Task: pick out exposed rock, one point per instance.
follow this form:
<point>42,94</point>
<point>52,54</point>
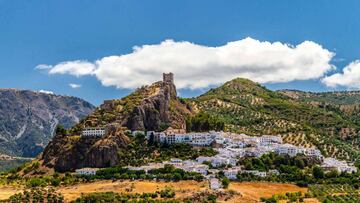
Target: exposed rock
<point>151,107</point>
<point>67,153</point>
<point>28,119</point>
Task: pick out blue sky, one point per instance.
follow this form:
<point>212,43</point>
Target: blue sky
<point>50,32</point>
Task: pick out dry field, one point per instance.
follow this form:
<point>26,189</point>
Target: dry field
<point>248,192</point>
<point>253,191</point>
<point>6,192</point>
<point>181,188</point>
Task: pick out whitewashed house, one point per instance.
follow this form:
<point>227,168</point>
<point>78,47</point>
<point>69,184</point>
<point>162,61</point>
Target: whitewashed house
<point>255,172</point>
<point>287,149</point>
<point>340,166</point>
<point>313,152</point>
<point>231,173</point>
<point>267,140</point>
<point>202,159</point>
<point>86,171</point>
<point>214,184</point>
<point>93,132</point>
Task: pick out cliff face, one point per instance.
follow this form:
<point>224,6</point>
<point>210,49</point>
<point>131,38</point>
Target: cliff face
<point>66,153</point>
<point>158,110</point>
<point>153,107</point>
<point>28,119</point>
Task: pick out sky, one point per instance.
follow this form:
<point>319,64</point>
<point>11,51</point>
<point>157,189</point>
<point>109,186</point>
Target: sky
<point>99,50</point>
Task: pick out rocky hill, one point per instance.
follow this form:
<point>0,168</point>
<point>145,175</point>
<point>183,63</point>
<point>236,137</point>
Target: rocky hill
<point>28,119</point>
<point>241,105</point>
<point>153,107</point>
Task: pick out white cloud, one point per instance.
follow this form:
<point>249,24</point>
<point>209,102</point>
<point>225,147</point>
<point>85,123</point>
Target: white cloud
<point>43,67</point>
<point>77,68</point>
<point>74,86</point>
<point>197,66</point>
<point>46,92</point>
<point>350,77</point>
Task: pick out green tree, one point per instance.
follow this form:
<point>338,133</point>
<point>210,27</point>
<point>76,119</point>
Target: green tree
<point>225,182</point>
<point>318,172</point>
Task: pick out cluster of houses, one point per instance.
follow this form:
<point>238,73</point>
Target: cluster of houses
<point>172,136</point>
<point>340,166</point>
<point>230,148</point>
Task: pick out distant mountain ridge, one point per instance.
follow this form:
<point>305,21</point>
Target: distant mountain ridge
<point>28,119</point>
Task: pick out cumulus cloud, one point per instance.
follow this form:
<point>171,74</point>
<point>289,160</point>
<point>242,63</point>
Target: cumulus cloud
<point>350,77</point>
<point>197,66</point>
<point>77,68</point>
<point>74,86</point>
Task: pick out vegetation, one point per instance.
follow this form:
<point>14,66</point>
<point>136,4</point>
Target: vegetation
<point>203,122</point>
<point>6,165</point>
<point>288,197</point>
<point>247,107</point>
<point>169,173</point>
<point>336,192</point>
<point>36,195</point>
<point>299,169</point>
<point>134,198</point>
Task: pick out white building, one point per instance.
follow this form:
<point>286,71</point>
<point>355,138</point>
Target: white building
<point>86,171</point>
<point>312,152</point>
<point>255,172</point>
<point>93,132</point>
<point>287,149</point>
<point>214,184</point>
<point>340,166</point>
<point>268,140</point>
<point>231,173</point>
<point>201,168</point>
<point>202,159</point>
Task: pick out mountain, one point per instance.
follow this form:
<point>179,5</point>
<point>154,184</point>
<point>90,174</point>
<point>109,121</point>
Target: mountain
<point>241,105</point>
<point>153,107</point>
<point>28,119</point>
<point>248,107</point>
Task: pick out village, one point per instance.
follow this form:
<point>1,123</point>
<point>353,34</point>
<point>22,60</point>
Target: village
<point>230,147</point>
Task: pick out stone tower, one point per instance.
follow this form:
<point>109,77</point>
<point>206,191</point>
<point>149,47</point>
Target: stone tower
<point>168,78</point>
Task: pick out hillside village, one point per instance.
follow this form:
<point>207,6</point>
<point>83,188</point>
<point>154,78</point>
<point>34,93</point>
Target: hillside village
<point>230,147</point>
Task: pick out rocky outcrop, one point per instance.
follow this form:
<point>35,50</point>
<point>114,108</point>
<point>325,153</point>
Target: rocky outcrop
<point>153,107</point>
<point>67,153</point>
<point>158,110</point>
<point>28,119</point>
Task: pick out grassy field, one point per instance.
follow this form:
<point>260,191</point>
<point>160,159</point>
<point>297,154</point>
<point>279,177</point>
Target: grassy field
<point>247,191</point>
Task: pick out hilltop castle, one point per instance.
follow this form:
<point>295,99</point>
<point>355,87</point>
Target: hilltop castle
<point>168,78</point>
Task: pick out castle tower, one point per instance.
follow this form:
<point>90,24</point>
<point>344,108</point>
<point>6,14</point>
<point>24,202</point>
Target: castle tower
<point>168,78</point>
